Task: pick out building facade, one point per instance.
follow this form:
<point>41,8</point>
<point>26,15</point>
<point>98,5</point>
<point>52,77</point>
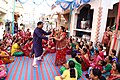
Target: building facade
<point>91,19</point>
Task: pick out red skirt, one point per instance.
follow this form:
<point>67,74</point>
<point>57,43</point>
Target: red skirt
<point>60,57</point>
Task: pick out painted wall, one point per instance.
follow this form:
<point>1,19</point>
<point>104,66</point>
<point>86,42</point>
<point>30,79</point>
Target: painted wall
<point>3,8</point>
<point>106,4</point>
<point>96,4</point>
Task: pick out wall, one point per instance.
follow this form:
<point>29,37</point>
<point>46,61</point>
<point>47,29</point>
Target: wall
<point>3,11</point>
<point>106,4</point>
<point>3,8</point>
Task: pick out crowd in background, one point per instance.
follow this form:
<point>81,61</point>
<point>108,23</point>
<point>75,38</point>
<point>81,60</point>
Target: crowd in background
<point>100,62</point>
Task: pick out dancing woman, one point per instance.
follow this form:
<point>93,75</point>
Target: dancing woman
<point>61,43</point>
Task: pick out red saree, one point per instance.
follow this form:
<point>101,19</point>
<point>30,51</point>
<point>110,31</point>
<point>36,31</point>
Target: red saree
<point>85,63</point>
<point>51,47</point>
<point>106,38</point>
<point>61,50</point>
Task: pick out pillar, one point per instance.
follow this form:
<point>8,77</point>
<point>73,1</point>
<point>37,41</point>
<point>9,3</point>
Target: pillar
<point>95,24</point>
<point>118,47</point>
<point>73,23</point>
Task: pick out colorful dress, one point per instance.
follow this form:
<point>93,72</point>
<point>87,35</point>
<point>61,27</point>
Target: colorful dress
<point>51,47</point>
<point>113,76</point>
<point>101,54</point>
<point>26,49</point>
<point>106,38</point>
<point>14,51</point>
<point>61,50</point>
<point>27,35</point>
<point>95,61</point>
<point>107,68</point>
<point>5,60</point>
<point>66,75</point>
<point>77,66</point>
<point>85,63</point>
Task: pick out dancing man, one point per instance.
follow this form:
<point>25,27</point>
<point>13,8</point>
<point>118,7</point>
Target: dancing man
<point>38,35</point>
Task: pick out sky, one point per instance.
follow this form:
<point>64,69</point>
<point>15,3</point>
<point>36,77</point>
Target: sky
<point>41,6</point>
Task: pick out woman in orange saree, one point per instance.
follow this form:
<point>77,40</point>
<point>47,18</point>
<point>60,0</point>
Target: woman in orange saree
<point>61,43</point>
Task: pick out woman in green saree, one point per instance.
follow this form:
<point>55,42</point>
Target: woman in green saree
<point>77,65</point>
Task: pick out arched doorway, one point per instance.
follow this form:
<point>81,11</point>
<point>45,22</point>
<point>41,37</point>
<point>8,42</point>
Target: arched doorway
<point>84,21</point>
<point>112,16</point>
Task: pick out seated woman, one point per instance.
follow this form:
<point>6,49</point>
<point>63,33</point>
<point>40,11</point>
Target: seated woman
<point>107,68</point>
<point>16,49</point>
<point>69,74</point>
<point>100,49</point>
<point>91,48</point>
<point>72,45</point>
<point>84,59</point>
<point>77,65</point>
<point>113,55</point>
<point>51,47</point>
<point>80,46</point>
<point>115,72</point>
<point>27,47</point>
<point>95,74</point>
<point>88,51</point>
<point>4,45</point>
<point>96,58</point>
<point>28,34</point>
<point>3,70</point>
<point>5,57</point>
<point>8,43</point>
<point>69,48</point>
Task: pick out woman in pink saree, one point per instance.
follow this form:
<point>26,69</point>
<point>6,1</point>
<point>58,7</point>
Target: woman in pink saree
<point>96,59</point>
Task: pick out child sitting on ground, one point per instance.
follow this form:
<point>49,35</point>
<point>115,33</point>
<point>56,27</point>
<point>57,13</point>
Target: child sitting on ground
<point>77,62</point>
<point>69,74</point>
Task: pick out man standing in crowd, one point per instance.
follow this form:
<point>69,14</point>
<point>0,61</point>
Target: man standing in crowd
<point>38,35</point>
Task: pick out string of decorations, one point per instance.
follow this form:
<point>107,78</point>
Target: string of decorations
<point>38,3</point>
<point>34,2</point>
<point>68,5</point>
<point>23,2</point>
<point>73,3</point>
<point>85,1</point>
<point>65,2</point>
<point>48,4</point>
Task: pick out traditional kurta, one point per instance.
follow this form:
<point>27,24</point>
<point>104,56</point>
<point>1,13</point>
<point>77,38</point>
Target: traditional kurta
<point>37,41</point>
